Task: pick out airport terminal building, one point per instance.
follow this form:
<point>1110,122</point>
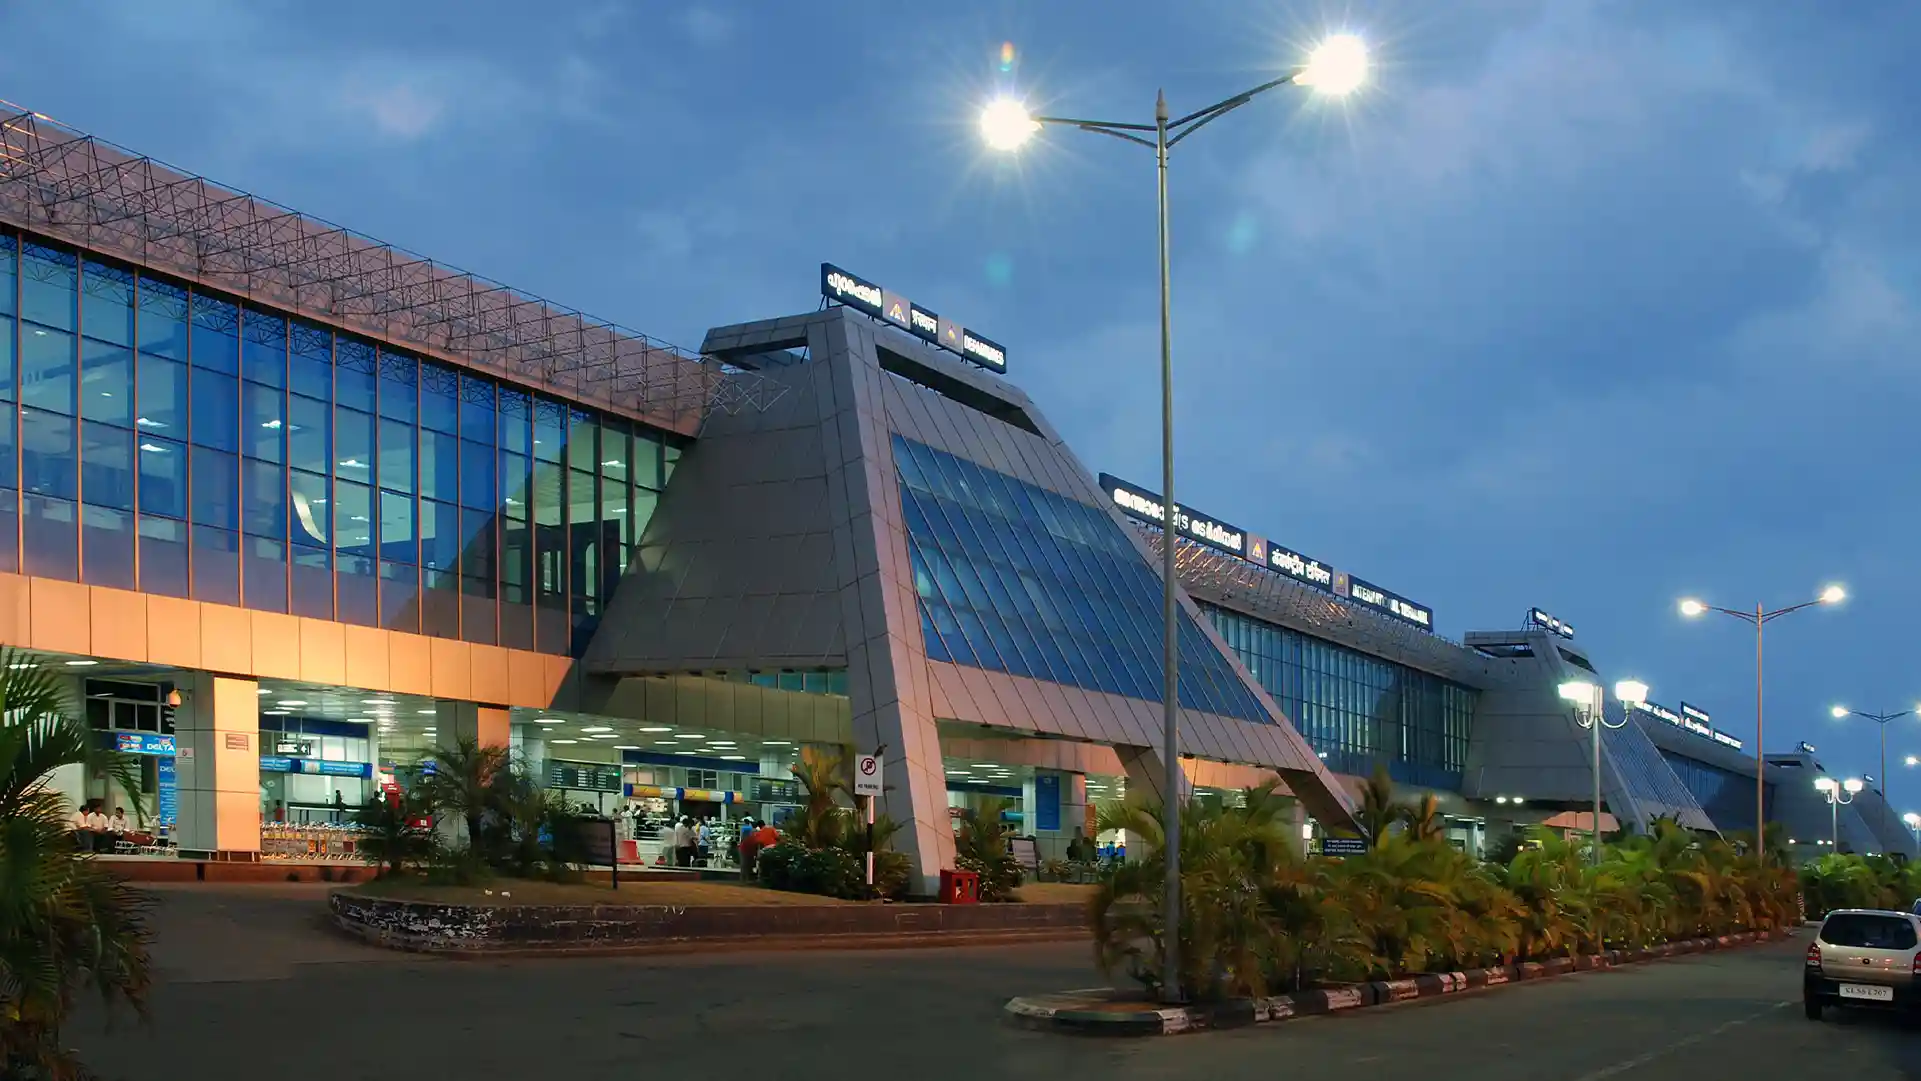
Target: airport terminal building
<point>343,505</point>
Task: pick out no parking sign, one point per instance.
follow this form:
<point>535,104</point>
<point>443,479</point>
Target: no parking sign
<point>867,773</point>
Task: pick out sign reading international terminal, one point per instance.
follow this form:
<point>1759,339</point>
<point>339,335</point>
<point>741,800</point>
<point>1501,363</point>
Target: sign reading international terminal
<point>1144,505</point>
<point>869,299</point>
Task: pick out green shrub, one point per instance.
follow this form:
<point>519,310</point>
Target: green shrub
<point>999,879</point>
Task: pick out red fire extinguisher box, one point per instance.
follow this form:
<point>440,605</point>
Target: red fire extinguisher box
<point>960,888</point>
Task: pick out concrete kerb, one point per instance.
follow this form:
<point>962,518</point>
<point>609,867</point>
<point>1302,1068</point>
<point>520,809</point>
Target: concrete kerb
<point>1108,1012</point>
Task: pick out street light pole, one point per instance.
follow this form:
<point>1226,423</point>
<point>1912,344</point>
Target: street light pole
<point>1882,719</point>
<point>1839,794</point>
<point>1760,618</point>
<point>1336,67</point>
<point>1590,705</point>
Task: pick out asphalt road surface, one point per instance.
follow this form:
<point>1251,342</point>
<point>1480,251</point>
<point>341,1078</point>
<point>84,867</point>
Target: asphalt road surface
<point>249,987</point>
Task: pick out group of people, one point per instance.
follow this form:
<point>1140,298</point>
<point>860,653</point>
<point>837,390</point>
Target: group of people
<point>95,830</point>
<point>691,840</point>
<point>755,836</point>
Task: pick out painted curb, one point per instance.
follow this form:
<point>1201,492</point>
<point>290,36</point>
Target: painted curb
<point>1081,1012</point>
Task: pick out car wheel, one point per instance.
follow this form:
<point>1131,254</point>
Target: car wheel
<point>1812,1006</point>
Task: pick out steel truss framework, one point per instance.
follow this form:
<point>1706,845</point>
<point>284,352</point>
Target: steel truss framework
<point>67,184</point>
<point>1236,584</point>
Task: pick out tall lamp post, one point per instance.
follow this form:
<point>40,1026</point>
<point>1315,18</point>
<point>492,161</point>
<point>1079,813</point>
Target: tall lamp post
<point>1590,707</point>
<point>1760,618</point>
<point>1338,66</point>
<point>1840,794</point>
<point>1913,822</point>
<point>1882,719</point>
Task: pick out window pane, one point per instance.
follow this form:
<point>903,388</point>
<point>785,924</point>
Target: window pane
<point>263,422</point>
<point>106,467</point>
<point>8,353</point>
<point>265,489</point>
<point>439,535</point>
<point>216,335</point>
<point>48,529</point>
<point>46,454</point>
<point>477,610</point>
<point>548,493</point>
<point>396,455</point>
<point>397,541</point>
<point>309,434</point>
<point>9,457</point>
<point>216,565</point>
<point>8,282</point>
<point>107,313</point>
<point>439,466</point>
<point>9,524</point>
<point>669,457</point>
<point>582,447</point>
<point>614,449</point>
<point>613,510</point>
<point>163,396</point>
<point>550,430</point>
<point>216,489</point>
<point>353,444</point>
<point>163,479</point>
<point>162,320</point>
<point>477,409</point>
<point>477,544</point>
<point>353,518</point>
<point>310,366</point>
<point>515,421</point>
<point>440,604</point>
<point>106,382</point>
<point>439,398</point>
<point>357,591</point>
<point>312,510</point>
<point>266,575</point>
<point>399,386</point>
<point>399,597</point>
<point>313,583</point>
<point>108,539</point>
<point>46,367</point>
<point>216,410</point>
<point>514,484</point>
<point>49,286</point>
<point>263,348</point>
<point>355,372</point>
<point>163,557</point>
<point>477,476</point>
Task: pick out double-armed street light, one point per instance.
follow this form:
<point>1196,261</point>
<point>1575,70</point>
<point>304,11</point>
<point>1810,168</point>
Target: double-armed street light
<point>1590,709</point>
<point>1912,821</point>
<point>1882,719</point>
<point>1839,794</point>
<point>1760,618</point>
<point>1337,67</point>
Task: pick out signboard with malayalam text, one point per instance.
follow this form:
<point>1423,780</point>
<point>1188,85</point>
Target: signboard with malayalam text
<point>871,300</point>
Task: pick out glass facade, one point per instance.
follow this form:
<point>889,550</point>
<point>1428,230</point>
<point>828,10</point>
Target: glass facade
<point>160,438</point>
<point>1014,578</point>
<point>1726,796</point>
<point>1356,709</point>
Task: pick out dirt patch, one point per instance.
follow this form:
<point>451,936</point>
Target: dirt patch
<point>1056,893</point>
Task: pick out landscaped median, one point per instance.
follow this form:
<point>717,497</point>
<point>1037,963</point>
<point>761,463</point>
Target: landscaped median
<point>1110,1012</point>
<point>521,917</point>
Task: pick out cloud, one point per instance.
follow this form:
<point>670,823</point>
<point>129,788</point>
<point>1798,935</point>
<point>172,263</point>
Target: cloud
<point>707,27</point>
<point>399,109</point>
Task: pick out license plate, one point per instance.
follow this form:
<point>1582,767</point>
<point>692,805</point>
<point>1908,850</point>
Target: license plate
<point>1867,992</point>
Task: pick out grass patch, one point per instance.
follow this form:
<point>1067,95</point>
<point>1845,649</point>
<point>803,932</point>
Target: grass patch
<point>511,891</point>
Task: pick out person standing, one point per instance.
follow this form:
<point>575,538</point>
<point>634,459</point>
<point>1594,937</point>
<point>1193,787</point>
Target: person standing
<point>684,842</point>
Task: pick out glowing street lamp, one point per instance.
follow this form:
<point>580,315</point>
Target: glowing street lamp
<point>1337,67</point>
<point>1839,794</point>
<point>1882,719</point>
<point>1760,617</point>
<point>1590,708</point>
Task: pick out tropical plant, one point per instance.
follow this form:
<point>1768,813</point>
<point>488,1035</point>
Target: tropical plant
<point>465,781</point>
<point>822,817</point>
<point>393,842</point>
<point>66,925</point>
<point>1378,812</point>
<point>980,846</point>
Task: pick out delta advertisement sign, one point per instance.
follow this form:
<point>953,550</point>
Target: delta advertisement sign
<point>1146,506</point>
<point>869,299</point>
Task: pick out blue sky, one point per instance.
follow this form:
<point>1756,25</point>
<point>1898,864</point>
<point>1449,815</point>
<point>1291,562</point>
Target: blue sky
<point>1583,305</point>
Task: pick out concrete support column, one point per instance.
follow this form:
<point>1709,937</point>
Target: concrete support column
<point>458,721</point>
<point>1298,828</point>
<point>217,732</point>
<point>1147,775</point>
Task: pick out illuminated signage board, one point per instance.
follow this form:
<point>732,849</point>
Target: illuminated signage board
<point>1145,505</point>
<point>1372,596</point>
<point>869,299</point>
<point>142,743</point>
<point>1661,711</point>
<point>1726,740</point>
<point>1541,619</point>
<point>1697,721</point>
<point>1139,503</point>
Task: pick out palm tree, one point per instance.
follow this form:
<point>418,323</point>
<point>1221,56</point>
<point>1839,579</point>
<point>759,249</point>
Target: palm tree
<point>392,842</point>
<point>1379,812</point>
<point>822,774</point>
<point>463,781</point>
<point>66,925</point>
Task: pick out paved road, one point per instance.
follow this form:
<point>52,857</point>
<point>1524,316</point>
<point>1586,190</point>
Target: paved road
<point>248,988</point>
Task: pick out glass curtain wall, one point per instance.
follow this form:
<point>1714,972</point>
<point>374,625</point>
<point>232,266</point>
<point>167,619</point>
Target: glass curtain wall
<point>1355,709</point>
<point>159,438</point>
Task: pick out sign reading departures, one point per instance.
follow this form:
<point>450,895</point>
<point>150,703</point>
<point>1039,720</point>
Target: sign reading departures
<point>869,299</point>
<point>1139,503</point>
